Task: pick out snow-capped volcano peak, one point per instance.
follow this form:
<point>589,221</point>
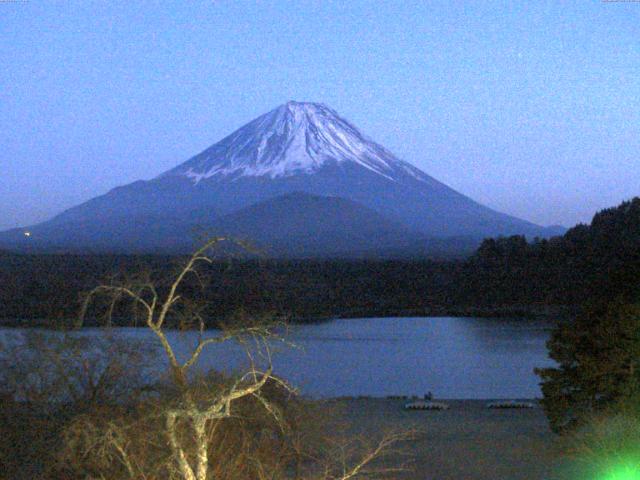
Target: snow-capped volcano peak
<point>299,178</point>
<point>295,138</point>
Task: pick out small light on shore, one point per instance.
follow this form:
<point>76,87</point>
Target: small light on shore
<point>27,234</point>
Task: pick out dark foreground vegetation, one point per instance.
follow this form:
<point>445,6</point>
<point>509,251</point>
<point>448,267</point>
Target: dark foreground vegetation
<point>592,397</point>
<point>73,409</point>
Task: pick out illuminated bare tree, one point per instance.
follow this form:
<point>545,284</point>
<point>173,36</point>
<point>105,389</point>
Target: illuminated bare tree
<point>190,423</point>
<point>192,411</point>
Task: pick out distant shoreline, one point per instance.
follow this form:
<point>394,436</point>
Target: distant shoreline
<point>537,312</point>
<point>560,312</point>
<point>400,399</point>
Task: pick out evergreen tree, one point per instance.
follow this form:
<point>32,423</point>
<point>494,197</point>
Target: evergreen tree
<point>598,358</point>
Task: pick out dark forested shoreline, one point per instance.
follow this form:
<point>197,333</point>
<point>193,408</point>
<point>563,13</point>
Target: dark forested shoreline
<point>505,277</point>
<point>37,290</point>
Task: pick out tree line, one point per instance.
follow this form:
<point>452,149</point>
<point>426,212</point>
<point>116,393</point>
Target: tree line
<point>507,274</point>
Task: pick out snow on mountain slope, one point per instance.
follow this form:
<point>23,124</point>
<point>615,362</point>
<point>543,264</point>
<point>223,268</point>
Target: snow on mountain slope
<point>295,138</point>
<point>298,147</point>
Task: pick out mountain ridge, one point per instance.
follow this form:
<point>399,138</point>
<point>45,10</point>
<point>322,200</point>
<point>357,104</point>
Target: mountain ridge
<point>296,147</point>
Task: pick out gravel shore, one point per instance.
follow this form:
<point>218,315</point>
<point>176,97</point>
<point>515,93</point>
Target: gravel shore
<point>467,441</point>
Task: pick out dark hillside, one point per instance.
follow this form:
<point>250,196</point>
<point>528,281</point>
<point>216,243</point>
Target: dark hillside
<point>504,276</point>
<point>597,260</point>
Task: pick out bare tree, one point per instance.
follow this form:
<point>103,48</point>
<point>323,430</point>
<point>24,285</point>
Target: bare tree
<point>48,378</point>
<point>192,411</point>
<point>191,421</point>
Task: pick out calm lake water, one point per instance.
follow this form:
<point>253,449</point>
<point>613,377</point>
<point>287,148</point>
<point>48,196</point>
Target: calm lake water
<point>466,358</point>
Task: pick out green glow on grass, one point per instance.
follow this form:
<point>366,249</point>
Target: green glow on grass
<point>627,471</point>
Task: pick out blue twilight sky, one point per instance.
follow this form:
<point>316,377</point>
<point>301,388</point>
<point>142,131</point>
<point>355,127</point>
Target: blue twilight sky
<point>530,107</point>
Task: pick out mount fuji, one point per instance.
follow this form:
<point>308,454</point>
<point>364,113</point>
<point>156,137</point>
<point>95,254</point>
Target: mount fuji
<point>297,181</point>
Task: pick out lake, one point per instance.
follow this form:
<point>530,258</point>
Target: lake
<point>464,358</point>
